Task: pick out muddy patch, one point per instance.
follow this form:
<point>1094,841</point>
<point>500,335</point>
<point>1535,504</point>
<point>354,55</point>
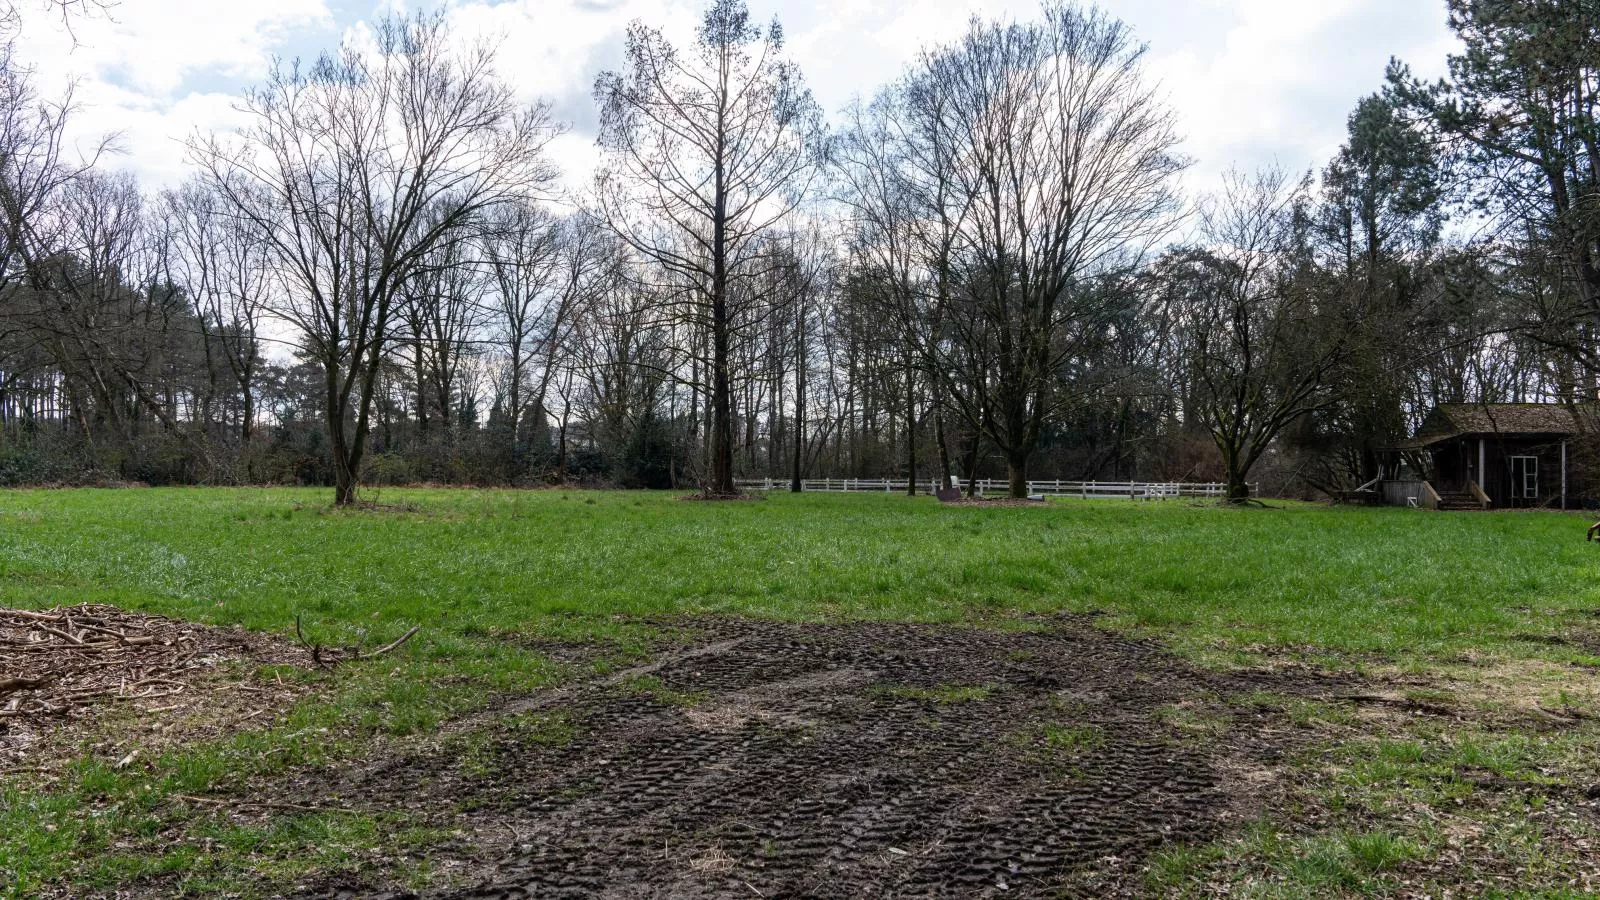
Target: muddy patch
<point>837,760</point>
<point>999,503</point>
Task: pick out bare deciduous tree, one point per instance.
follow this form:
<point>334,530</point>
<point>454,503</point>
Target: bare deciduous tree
<point>222,265</point>
<point>1261,347</point>
<point>1032,159</point>
<point>353,171</point>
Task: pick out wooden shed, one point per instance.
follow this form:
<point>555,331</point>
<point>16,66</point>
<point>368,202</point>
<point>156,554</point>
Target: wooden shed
<point>1486,456</point>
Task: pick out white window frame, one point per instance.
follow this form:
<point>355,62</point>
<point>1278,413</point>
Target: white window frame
<point>1530,470</point>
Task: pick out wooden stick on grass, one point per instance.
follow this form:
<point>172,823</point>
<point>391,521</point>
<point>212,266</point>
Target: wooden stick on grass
<point>392,644</point>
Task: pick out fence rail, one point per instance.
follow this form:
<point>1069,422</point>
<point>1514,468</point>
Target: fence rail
<point>1135,490</point>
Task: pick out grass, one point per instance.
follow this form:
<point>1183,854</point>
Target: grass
<point>1428,809</point>
<point>943,695</point>
<point>652,687</point>
<point>1072,738</point>
<point>470,565</point>
<point>1489,804</point>
<point>1341,863</point>
<point>489,574</point>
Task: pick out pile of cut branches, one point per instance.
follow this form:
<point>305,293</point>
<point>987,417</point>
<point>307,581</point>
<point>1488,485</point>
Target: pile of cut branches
<point>54,662</point>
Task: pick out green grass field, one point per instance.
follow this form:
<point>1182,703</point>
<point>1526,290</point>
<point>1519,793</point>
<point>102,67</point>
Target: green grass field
<point>483,573</point>
<point>1397,584</point>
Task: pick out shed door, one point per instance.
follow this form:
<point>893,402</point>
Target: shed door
<point>1525,477</point>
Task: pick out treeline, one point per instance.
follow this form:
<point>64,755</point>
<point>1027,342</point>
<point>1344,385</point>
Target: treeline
<point>988,268</point>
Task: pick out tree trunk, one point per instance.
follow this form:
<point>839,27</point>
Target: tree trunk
<point>561,447</point>
<point>349,453</point>
<point>344,479</point>
<point>513,406</point>
<point>795,485</point>
<point>774,421</point>
<point>245,433</point>
<point>420,376</point>
<point>721,483</point>
<point>911,435</point>
<point>1234,474</point>
<point>972,466</point>
<point>248,422</point>
<point>944,451</point>
<point>1017,476</point>
<point>344,486</point>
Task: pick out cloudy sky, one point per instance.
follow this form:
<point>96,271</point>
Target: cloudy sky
<point>1253,81</point>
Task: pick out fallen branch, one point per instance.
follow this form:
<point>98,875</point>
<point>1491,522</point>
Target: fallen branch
<point>263,804</point>
<point>35,616</point>
<point>392,644</point>
<point>139,640</point>
<point>316,649</point>
<point>1565,715</point>
<point>329,657</point>
<point>11,685</point>
<point>1403,702</point>
<point>74,639</point>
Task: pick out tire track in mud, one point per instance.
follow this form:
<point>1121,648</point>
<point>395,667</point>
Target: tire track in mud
<point>852,760</point>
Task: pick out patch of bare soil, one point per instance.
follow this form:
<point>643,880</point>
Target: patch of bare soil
<point>992,502</point>
<point>375,506</point>
<point>65,671</point>
<point>835,760</point>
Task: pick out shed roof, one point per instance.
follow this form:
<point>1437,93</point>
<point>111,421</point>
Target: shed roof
<point>1451,420</point>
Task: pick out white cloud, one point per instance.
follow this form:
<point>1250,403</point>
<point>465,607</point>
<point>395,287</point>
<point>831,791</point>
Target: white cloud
<point>1252,81</point>
<point>1278,85</point>
<point>153,71</point>
<point>153,46</point>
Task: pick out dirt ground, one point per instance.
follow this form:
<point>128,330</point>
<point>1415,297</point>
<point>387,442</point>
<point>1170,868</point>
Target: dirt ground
<point>855,760</point>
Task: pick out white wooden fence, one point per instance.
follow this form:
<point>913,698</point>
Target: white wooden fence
<point>1135,490</point>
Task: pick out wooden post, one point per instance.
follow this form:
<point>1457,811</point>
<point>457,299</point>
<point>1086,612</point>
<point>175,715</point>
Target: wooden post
<point>1483,477</point>
<point>1563,475</point>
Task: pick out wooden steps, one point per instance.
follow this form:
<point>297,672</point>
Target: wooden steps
<point>1459,501</point>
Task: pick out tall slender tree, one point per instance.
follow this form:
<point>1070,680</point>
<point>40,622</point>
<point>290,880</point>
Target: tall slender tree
<point>705,151</point>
